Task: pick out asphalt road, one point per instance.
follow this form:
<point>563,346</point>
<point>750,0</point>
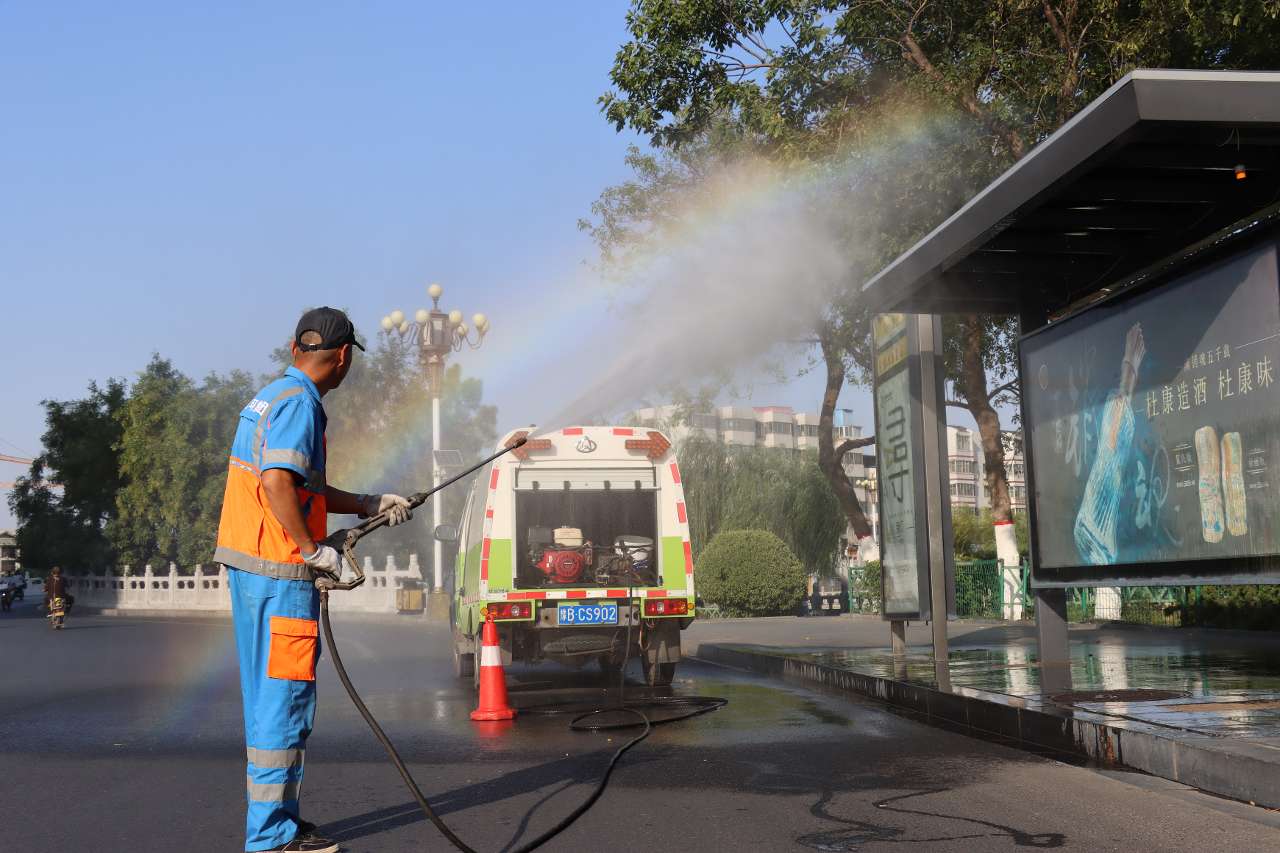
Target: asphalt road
<point>124,734</point>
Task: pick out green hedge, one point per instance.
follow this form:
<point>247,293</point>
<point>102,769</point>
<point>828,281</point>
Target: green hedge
<point>750,573</point>
<point>1252,607</point>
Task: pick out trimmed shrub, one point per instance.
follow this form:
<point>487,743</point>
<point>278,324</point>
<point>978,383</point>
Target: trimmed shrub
<point>1252,607</point>
<point>750,573</point>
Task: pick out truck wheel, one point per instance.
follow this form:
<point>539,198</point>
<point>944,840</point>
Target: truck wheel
<point>464,665</point>
<point>659,674</point>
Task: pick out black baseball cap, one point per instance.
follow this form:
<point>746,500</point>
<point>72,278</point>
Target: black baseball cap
<point>330,324</point>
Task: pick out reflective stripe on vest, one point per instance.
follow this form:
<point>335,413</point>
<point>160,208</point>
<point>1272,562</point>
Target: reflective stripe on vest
<point>234,544</point>
<point>234,559</point>
<point>259,433</point>
<point>315,479</point>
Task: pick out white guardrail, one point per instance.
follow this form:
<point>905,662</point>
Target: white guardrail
<point>206,590</point>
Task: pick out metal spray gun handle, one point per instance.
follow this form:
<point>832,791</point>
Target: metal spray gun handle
<point>345,540</point>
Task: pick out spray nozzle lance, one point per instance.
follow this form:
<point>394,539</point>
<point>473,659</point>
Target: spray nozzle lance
<point>345,540</point>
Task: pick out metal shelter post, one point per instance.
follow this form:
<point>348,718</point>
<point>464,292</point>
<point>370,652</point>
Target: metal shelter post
<point>1051,603</point>
<point>1051,634</point>
<point>937,497</point>
<point>898,640</point>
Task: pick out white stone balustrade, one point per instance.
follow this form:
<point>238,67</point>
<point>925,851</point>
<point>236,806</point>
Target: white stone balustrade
<point>205,589</point>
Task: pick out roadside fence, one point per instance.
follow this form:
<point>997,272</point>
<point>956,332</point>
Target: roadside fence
<point>985,589</point>
<point>206,590</point>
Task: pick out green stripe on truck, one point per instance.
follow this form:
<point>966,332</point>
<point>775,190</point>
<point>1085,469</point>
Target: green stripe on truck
<point>673,562</point>
<point>501,566</point>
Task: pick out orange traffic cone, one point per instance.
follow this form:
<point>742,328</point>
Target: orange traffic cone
<point>493,683</point>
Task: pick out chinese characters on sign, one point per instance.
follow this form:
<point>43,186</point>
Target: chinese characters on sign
<point>1171,400</point>
<point>916,576</point>
<point>900,527</point>
<point>898,518</point>
<point>1248,376</point>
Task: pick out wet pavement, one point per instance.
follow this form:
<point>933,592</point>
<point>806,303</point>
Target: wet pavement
<point>1216,683</point>
<point>124,734</point>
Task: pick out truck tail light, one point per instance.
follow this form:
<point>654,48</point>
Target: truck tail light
<point>654,446</point>
<point>508,610</point>
<point>667,607</point>
<point>531,444</point>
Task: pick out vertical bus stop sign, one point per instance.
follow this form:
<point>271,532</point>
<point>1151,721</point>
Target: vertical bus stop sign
<point>917,574</point>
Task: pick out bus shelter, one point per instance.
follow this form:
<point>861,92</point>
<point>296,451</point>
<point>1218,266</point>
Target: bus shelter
<point>1137,247</point>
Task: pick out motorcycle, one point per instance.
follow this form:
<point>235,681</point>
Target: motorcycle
<point>57,612</point>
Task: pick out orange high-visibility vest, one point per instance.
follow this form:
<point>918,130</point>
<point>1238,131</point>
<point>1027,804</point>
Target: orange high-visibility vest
<point>282,427</point>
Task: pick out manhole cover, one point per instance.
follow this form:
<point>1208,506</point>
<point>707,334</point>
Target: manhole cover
<point>1079,696</point>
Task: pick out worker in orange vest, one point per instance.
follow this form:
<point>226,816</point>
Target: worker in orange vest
<point>270,539</point>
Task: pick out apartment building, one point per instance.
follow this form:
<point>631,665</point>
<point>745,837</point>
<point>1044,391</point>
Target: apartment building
<point>783,428</point>
<point>8,553</point>
<point>774,427</point>
<point>967,470</point>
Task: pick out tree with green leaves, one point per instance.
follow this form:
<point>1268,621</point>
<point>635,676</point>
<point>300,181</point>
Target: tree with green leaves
<point>635,218</point>
<point>379,435</point>
<point>814,81</point>
<point>136,474</point>
<point>173,445</point>
<point>67,500</point>
<point>761,489</point>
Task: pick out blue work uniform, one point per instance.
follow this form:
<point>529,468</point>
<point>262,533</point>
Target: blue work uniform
<point>274,604</point>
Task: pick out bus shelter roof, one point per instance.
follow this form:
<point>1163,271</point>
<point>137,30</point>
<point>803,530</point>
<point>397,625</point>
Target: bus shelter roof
<point>1146,170</point>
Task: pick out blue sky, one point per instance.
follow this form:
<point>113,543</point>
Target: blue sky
<point>186,178</point>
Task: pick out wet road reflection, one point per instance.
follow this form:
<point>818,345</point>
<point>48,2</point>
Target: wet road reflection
<point>1242,686</point>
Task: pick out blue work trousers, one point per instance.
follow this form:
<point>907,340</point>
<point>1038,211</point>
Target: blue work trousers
<point>278,641</point>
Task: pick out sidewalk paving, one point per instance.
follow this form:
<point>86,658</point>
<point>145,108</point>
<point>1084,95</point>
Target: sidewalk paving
<point>1198,706</point>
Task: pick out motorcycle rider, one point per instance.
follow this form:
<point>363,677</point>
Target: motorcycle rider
<point>56,587</point>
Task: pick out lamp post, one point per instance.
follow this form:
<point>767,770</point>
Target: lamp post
<point>436,334</point>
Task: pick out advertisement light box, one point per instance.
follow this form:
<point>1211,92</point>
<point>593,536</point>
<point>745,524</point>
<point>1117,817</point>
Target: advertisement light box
<point>1153,431</point>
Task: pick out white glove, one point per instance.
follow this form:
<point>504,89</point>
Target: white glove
<point>396,508</point>
<point>326,559</point>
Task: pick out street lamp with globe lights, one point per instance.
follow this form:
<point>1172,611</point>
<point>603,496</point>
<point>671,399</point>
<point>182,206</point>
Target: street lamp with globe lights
<point>436,334</point>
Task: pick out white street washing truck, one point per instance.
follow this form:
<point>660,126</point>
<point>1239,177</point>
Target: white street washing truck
<point>573,543</point>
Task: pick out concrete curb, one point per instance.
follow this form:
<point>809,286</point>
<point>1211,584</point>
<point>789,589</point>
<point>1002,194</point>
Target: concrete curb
<point>1234,768</point>
<point>193,615</point>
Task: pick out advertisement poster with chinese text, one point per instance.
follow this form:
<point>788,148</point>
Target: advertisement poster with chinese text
<point>1155,423</point>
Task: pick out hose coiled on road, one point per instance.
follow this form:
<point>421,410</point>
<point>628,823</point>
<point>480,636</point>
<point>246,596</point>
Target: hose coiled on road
<point>695,704</point>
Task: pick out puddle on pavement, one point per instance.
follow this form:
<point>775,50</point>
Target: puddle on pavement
<point>1218,692</point>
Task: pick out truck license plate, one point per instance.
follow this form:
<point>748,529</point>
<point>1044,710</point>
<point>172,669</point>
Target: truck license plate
<point>587,614</point>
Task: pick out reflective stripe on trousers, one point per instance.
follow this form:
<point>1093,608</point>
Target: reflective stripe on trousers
<point>278,713</point>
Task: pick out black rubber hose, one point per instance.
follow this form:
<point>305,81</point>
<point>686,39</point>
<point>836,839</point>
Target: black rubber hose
<point>379,733</point>
<point>700,704</point>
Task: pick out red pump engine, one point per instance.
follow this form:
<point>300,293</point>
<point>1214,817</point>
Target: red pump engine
<point>562,565</point>
<point>562,555</point>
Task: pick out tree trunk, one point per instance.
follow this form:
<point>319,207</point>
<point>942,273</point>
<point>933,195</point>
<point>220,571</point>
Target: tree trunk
<point>973,381</point>
<point>830,458</point>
